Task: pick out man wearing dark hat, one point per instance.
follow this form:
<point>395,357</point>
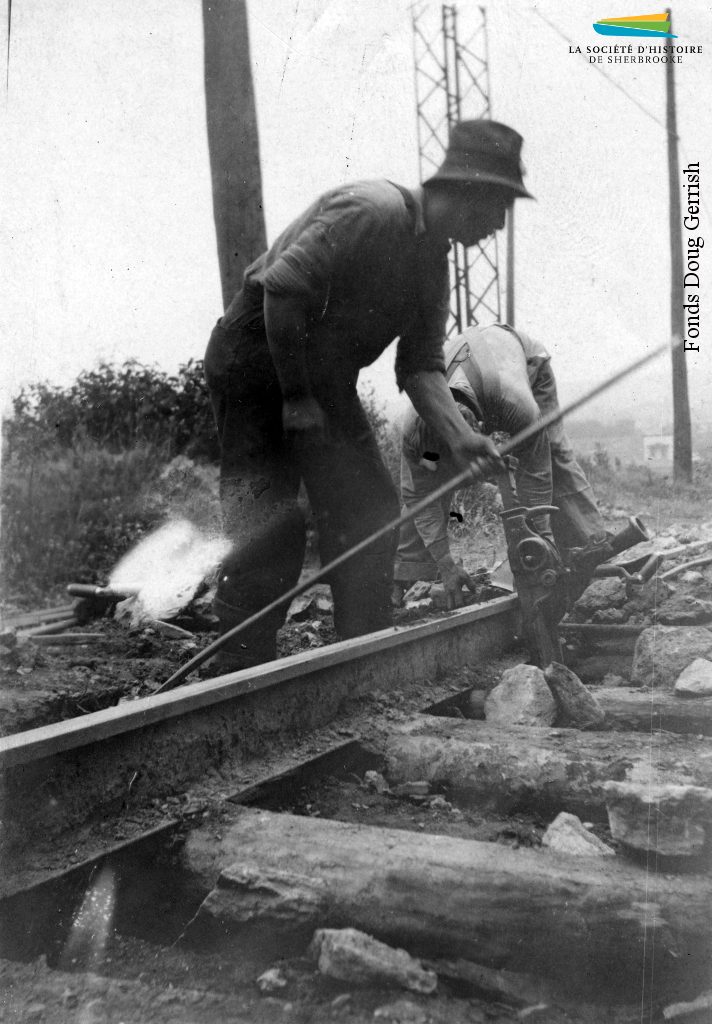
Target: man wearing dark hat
<point>502,381</point>
<point>365,264</point>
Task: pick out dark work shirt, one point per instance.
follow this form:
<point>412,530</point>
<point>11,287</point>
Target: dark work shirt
<point>368,273</point>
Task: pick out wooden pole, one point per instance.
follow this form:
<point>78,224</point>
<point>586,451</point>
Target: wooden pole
<point>682,430</point>
<point>510,266</point>
<point>232,141</point>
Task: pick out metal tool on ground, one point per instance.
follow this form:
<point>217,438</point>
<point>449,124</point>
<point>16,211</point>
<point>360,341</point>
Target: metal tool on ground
<point>94,602</point>
<point>466,475</point>
<point>696,563</point>
<point>108,594</point>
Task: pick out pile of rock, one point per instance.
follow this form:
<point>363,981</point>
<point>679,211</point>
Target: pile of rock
<point>527,696</point>
<point>674,657</point>
<point>606,601</point>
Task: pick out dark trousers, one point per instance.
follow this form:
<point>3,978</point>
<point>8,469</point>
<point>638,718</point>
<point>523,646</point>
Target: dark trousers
<point>349,489</point>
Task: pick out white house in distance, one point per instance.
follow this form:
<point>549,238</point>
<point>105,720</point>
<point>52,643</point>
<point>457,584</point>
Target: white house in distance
<point>658,450</point>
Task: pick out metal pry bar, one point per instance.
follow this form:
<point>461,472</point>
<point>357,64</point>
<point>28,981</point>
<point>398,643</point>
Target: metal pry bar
<point>464,476</point>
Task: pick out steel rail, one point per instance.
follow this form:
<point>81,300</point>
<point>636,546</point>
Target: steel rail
<point>355,666</point>
<point>464,476</point>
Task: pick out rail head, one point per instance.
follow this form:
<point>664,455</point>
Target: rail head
<point>46,741</point>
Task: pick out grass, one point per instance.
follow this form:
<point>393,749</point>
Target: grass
<point>69,514</point>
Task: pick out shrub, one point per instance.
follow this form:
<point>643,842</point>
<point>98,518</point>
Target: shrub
<point>116,407</point>
<point>69,515</point>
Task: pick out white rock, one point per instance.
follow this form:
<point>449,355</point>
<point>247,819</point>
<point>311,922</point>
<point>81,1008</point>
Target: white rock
<point>401,1012</point>
<point>567,834</point>
<point>611,680</point>
<point>669,820</point>
<point>272,980</point>
<point>661,653</point>
<point>692,576</point>
<point>696,679</point>
<point>522,698</point>
<point>376,782</point>
<point>352,956</point>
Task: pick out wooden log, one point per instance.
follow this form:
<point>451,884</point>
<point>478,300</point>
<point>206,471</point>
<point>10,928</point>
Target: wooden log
<point>538,769</point>
<point>592,669</point>
<point>582,921</point>
<point>630,708</point>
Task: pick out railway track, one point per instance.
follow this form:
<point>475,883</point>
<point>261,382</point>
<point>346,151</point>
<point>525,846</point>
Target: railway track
<point>450,869</point>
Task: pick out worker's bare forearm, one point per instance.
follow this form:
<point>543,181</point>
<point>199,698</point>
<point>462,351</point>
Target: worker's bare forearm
<point>429,393</point>
<point>285,322</point>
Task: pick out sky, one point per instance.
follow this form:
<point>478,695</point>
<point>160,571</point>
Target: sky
<point>107,236</point>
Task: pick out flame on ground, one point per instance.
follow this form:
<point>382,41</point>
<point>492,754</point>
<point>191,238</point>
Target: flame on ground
<point>168,566</point>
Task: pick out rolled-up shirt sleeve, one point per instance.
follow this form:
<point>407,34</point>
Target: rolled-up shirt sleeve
<point>308,264</point>
<point>420,347</point>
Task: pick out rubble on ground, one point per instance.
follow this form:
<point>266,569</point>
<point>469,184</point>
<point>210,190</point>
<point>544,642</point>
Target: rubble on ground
<point>684,610</point>
<point>601,594</point>
<point>668,820</point>
<point>576,705</point>
<point>662,652</point>
<point>272,980</point>
<point>521,698</point>
<point>347,954</point>
<point>567,834</point>
<point>611,680</point>
<point>695,680</point>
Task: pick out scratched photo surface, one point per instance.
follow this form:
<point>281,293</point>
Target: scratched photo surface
<point>109,247</point>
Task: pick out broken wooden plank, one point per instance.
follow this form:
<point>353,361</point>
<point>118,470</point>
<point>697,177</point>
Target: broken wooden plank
<point>583,921</point>
<point>25,620</point>
<point>643,710</point>
<point>540,769</point>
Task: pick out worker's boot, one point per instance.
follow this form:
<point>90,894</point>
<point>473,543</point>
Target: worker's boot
<point>252,646</point>
<point>252,577</point>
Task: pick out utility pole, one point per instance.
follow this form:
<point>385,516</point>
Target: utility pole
<point>682,429</point>
<point>510,266</point>
<point>451,85</point>
<point>232,141</point>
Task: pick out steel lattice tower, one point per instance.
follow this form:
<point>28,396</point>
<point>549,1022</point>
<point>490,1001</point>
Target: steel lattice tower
<point>451,85</point>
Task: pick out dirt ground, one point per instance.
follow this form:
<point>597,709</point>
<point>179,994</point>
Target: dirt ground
<point>41,683</point>
<point>135,980</point>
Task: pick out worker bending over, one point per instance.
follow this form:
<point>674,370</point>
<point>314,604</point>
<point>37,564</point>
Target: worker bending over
<point>501,380</point>
<point>364,264</point>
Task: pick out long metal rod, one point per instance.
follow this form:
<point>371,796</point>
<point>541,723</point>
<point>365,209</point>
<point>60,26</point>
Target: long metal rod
<point>466,475</point>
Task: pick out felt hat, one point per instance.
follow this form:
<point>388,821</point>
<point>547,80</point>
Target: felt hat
<point>483,151</point>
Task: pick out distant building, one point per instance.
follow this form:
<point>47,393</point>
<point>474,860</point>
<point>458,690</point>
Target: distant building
<point>658,450</point>
<point>620,439</point>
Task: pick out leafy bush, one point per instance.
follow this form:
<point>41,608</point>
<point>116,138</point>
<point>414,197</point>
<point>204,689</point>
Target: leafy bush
<point>116,407</point>
<point>69,516</point>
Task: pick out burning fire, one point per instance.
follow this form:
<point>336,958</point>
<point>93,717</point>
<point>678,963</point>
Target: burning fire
<point>167,568</point>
